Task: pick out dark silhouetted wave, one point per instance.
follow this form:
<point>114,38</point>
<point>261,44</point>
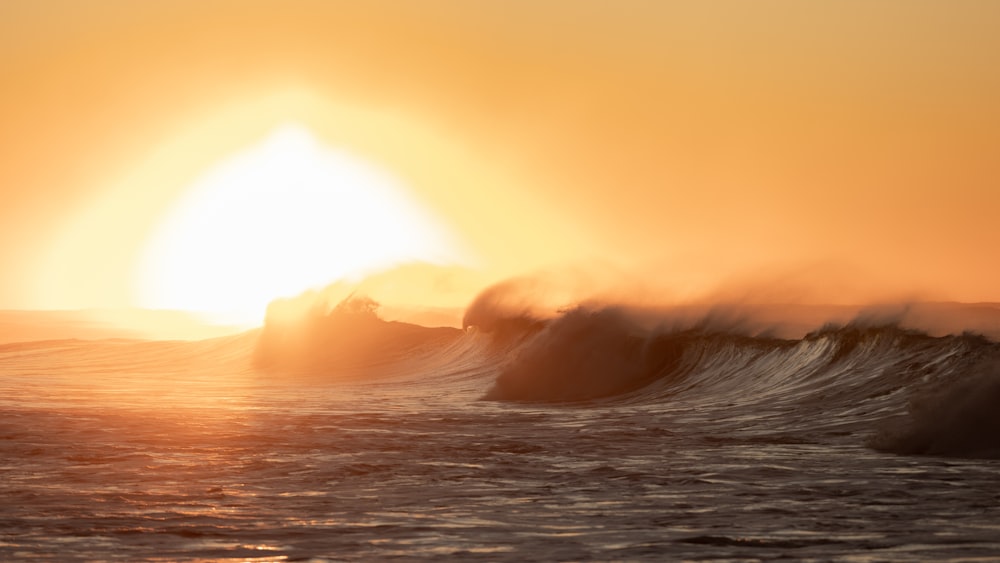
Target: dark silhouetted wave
<point>915,393</point>
<point>904,390</point>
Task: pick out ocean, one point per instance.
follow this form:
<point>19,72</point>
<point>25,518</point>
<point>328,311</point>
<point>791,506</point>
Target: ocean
<point>594,435</point>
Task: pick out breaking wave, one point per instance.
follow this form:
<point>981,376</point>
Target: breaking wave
<point>900,390</point>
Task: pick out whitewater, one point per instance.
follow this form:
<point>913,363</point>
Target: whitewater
<point>598,433</point>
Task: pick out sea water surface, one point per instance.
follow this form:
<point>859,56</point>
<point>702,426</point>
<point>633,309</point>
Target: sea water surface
<point>583,438</point>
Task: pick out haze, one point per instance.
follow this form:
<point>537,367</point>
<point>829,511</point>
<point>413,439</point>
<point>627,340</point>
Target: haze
<point>851,144</point>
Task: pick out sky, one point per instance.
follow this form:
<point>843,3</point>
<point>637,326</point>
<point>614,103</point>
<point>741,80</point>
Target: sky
<point>849,145</point>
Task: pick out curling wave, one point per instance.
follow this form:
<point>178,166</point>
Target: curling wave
<point>902,390</point>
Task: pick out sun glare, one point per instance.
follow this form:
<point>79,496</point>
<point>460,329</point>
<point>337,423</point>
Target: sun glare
<point>283,216</point>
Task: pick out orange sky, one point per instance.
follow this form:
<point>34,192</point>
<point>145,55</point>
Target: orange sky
<point>696,141</point>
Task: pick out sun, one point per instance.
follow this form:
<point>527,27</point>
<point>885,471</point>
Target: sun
<point>280,217</point>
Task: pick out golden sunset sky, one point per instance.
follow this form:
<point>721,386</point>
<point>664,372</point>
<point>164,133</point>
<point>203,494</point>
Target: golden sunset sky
<point>689,142</point>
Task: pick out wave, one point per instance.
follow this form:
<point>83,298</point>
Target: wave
<point>351,335</point>
<point>912,392</point>
<point>594,352</point>
<point>872,380</point>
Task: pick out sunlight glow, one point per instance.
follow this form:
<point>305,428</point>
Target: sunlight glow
<point>281,217</point>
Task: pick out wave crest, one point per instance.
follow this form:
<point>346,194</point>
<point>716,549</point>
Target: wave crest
<point>351,334</point>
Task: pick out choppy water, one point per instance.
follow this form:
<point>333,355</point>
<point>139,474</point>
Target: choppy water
<point>631,445</point>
